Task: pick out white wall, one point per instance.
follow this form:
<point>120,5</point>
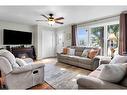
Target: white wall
<point>13,26</point>
<point>47,41</point>
<point>44,42</point>
<point>43,38</point>
<point>63,37</point>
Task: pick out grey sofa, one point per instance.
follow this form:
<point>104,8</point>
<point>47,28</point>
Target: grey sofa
<point>92,82</point>
<point>79,61</point>
<point>19,77</point>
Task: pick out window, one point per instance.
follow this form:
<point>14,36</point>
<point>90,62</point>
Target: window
<point>97,37</point>
<point>113,38</point>
<point>100,35</point>
<point>82,36</point>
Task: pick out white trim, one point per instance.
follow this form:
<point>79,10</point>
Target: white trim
<point>105,40</point>
<point>104,24</point>
<point>100,21</point>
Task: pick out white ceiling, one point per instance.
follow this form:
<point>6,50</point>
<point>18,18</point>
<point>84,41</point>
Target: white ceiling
<point>72,14</point>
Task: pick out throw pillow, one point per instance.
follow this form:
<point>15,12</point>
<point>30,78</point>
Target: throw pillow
<point>112,72</point>
<point>85,53</point>
<point>71,51</point>
<point>119,59</point>
<point>65,50</point>
<point>92,53</point>
<point>21,62</point>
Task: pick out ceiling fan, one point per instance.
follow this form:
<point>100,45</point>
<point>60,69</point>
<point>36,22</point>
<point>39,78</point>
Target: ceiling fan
<point>51,20</point>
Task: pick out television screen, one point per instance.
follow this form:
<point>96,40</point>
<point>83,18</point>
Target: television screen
<point>13,37</point>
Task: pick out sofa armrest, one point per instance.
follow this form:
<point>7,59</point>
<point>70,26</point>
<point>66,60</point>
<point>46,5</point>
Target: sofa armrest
<point>28,60</point>
<point>27,68</point>
<point>94,83</point>
<point>95,63</point>
<point>58,54</point>
<point>107,61</point>
<point>103,59</point>
<point>5,65</point>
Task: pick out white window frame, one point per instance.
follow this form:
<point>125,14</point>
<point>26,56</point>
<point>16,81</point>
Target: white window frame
<point>105,32</point>
<point>102,24</point>
<point>77,36</point>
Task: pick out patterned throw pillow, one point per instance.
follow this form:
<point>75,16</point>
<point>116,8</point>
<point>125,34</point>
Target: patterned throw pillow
<point>92,53</point>
<point>85,53</point>
<point>71,51</point>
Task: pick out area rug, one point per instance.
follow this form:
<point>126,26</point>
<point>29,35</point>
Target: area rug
<point>61,78</point>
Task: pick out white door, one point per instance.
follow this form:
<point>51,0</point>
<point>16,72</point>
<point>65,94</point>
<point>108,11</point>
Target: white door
<point>48,44</point>
<point>60,41</point>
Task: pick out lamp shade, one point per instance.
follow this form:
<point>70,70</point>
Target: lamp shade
<point>112,37</point>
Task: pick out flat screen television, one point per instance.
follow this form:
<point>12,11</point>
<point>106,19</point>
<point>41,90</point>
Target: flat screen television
<point>13,37</point>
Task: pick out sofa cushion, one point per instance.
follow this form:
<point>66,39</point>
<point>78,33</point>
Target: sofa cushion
<point>85,60</point>
<point>112,72</point>
<point>73,58</point>
<point>94,73</point>
<point>63,56</point>
<point>118,59</point>
<point>94,83</point>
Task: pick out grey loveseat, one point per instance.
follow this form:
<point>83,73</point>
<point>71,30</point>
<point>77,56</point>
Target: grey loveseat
<point>78,60</point>
<point>93,82</point>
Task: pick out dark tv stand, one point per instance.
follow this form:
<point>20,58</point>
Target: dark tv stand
<point>23,52</point>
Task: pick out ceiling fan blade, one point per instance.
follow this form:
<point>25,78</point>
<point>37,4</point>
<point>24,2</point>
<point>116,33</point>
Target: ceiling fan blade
<point>41,20</point>
<point>45,16</point>
<point>60,18</point>
<point>59,22</point>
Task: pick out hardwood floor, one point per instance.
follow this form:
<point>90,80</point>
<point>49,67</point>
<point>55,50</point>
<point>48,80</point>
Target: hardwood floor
<point>44,86</point>
<point>61,75</point>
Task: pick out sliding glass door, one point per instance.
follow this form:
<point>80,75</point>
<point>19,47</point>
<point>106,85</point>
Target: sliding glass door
<point>112,39</point>
<point>105,36</point>
<point>97,37</point>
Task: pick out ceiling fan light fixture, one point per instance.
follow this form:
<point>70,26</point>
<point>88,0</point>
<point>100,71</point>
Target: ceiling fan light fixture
<point>51,22</point>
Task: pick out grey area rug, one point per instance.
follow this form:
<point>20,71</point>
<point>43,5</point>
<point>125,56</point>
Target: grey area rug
<point>61,78</point>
